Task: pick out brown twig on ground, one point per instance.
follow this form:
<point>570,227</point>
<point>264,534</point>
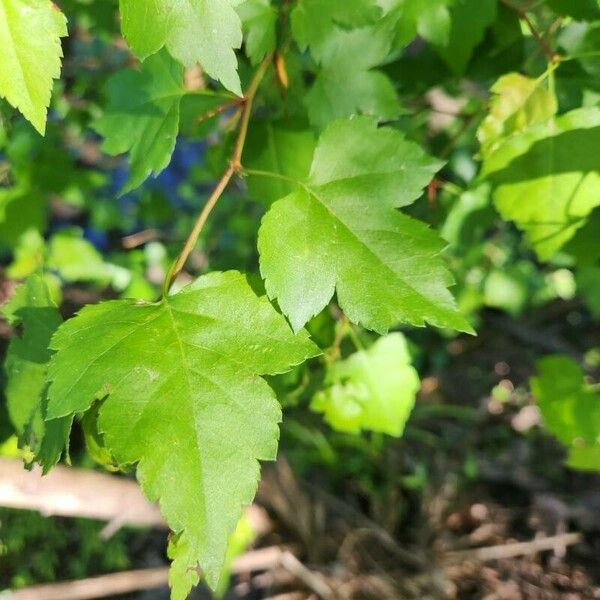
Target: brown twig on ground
<point>69,492</point>
<point>311,579</point>
<point>94,587</point>
<point>104,586</point>
<point>556,542</point>
<point>76,493</point>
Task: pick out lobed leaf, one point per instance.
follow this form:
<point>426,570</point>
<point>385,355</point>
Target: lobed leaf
<point>340,230</point>
<point>142,116</point>
<point>313,21</point>
<point>195,31</point>
<point>30,32</point>
<point>347,81</point>
<point>183,398</point>
<point>258,23</point>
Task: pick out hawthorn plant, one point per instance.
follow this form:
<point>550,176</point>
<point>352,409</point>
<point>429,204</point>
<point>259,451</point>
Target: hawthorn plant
<point>311,108</point>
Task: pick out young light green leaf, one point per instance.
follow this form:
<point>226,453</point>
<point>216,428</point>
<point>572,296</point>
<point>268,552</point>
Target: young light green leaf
<point>340,230</point>
<point>142,116</point>
<point>347,82</point>
<point>278,147</point>
<point>313,21</point>
<point>27,357</point>
<point>570,409</point>
<point>372,390</point>
<point>184,399</point>
<point>195,31</point>
<point>258,23</point>
<point>30,32</point>
<point>76,259</point>
<point>547,179</point>
<point>518,102</point>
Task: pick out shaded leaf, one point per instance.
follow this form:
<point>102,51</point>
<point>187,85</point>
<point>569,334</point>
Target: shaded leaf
<point>547,179</point>
<point>313,21</point>
<point>281,148</point>
<point>32,311</point>
<point>585,10</point>
<point>142,116</point>
<point>258,23</point>
<point>428,18</point>
<point>570,409</point>
<point>470,20</point>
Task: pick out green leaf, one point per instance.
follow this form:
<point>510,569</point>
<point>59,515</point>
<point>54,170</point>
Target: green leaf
<point>31,310</point>
<point>470,20</point>
<point>518,102</point>
<point>22,209</point>
<point>585,458</point>
<point>313,21</point>
<point>555,167</point>
<point>570,409</point>
<point>195,31</point>
<point>142,116</point>
<point>584,247</point>
<point>588,287</point>
<point>347,82</point>
<point>76,259</point>
<point>428,18</point>
<point>372,390</point>
<point>340,230</point>
<point>582,40</point>
<point>258,23</point>
<point>184,399</point>
<point>30,32</point>
<point>278,147</point>
<point>583,10</point>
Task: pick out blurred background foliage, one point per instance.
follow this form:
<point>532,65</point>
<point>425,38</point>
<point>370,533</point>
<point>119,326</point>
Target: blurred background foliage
<point>458,82</point>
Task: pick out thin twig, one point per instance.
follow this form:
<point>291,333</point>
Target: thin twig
<point>550,55</point>
<point>94,587</point>
<point>213,112</point>
<point>312,580</point>
<point>235,166</point>
<point>140,238</point>
<point>125,582</point>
